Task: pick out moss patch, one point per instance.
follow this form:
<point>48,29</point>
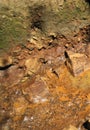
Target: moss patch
<point>12,29</point>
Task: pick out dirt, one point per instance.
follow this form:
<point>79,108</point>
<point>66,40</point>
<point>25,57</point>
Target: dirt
<point>37,89</point>
<point>37,92</point>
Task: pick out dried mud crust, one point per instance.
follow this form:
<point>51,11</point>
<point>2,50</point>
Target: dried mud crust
<point>37,92</point>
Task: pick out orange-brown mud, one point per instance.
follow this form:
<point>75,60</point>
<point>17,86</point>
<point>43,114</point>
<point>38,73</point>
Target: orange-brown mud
<point>38,92</point>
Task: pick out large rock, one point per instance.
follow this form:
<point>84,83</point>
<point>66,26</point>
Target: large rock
<point>77,62</point>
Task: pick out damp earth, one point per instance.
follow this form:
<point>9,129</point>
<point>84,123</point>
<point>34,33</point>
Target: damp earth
<point>44,74</point>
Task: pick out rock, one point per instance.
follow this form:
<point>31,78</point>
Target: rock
<point>57,71</point>
<point>37,92</point>
<point>32,66</point>
<point>6,127</point>
<point>37,38</point>
<point>4,115</point>
<point>88,50</point>
<point>77,62</point>
<point>71,127</point>
<point>11,76</point>
<point>5,61</point>
<point>19,106</point>
<point>54,55</point>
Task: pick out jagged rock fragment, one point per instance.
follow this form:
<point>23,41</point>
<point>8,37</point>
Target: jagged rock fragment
<point>32,66</point>
<point>36,92</point>
<point>88,50</point>
<point>77,62</point>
